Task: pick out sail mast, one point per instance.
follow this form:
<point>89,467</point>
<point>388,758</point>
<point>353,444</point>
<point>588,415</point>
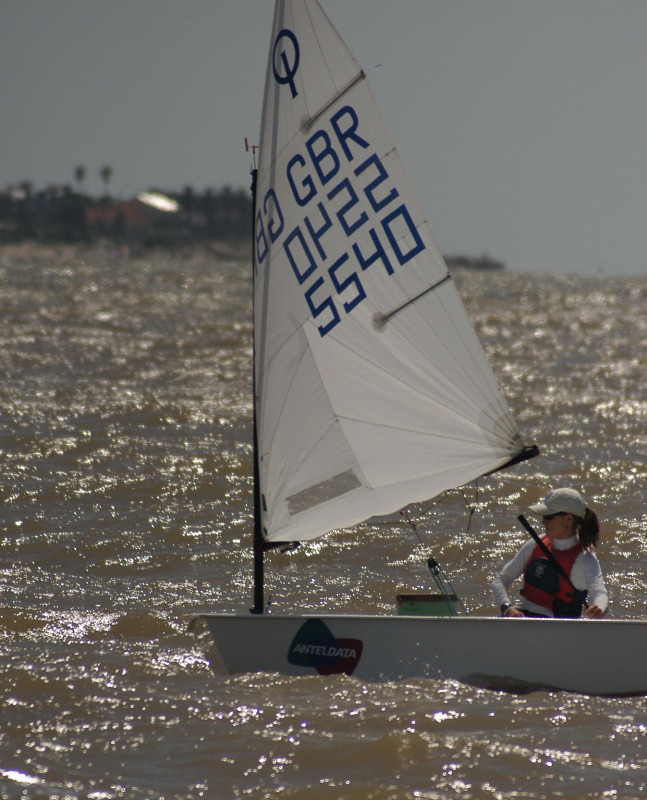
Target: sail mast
<point>259,566</point>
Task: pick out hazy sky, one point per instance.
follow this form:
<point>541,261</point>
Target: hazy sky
<point>522,123</point>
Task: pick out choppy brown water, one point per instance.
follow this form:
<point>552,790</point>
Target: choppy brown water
<point>126,484</point>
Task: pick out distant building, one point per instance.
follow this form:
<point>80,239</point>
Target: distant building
<point>131,217</point>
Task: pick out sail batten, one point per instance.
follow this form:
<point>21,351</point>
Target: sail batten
<point>381,320</point>
<point>356,418</point>
<point>308,123</point>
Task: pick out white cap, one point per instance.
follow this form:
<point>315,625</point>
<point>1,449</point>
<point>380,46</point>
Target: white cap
<point>568,501</point>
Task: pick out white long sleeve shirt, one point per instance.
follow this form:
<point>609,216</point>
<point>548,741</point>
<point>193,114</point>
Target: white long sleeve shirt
<point>586,574</point>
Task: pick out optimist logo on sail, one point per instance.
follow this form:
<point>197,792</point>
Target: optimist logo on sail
<point>285,71</point>
<point>333,208</point>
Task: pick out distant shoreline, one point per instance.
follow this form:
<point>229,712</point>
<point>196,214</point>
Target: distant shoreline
<point>30,250</point>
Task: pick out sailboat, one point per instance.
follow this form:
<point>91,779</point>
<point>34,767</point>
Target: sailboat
<point>372,392</point>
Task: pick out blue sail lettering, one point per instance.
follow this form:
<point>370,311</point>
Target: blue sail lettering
<point>317,234</point>
<point>364,213</point>
<point>349,132</point>
<point>369,189</point>
<point>270,221</point>
<point>274,227</point>
<point>261,239</point>
<point>327,304</point>
<point>398,236</point>
<point>351,281</point>
<point>349,226</point>
<point>300,257</point>
<point>306,183</point>
<point>324,158</point>
<point>324,155</point>
<point>379,252</point>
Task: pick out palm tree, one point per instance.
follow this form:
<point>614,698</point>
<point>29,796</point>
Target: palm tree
<point>79,176</point>
<point>106,174</point>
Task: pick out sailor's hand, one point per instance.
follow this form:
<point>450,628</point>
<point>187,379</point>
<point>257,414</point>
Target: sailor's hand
<point>513,612</point>
<point>593,612</point>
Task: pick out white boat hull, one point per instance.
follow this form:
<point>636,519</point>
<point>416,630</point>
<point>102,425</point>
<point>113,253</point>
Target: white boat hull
<point>607,657</point>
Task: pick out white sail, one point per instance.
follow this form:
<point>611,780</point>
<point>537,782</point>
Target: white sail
<point>372,389</point>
